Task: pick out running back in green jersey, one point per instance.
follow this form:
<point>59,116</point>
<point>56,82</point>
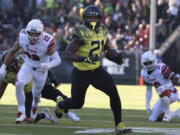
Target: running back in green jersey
<point>94,42</point>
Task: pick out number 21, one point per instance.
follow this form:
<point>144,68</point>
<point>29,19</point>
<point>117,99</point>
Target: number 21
<point>97,45</point>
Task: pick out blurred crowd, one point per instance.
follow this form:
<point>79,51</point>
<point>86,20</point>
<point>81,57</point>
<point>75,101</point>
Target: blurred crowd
<point>127,20</point>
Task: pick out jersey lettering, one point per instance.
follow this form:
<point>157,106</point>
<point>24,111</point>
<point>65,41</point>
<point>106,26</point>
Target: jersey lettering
<point>33,56</point>
<point>46,38</point>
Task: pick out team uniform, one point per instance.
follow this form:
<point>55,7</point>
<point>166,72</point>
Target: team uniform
<point>160,77</point>
<point>30,70</point>
<point>85,74</point>
<point>89,41</point>
<point>41,55</point>
<point>48,92</point>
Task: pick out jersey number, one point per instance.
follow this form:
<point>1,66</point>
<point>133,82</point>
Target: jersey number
<point>97,45</point>
<point>33,56</point>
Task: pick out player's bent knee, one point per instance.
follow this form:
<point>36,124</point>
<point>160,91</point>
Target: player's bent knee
<point>152,119</point>
<point>19,85</point>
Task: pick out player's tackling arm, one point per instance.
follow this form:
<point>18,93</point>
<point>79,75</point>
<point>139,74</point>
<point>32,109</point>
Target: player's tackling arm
<point>148,97</point>
<point>11,53</point>
<point>8,58</point>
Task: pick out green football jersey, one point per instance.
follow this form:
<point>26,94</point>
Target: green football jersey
<point>11,76</point>
<point>93,44</point>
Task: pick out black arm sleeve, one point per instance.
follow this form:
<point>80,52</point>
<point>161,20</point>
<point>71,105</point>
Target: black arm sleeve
<point>52,78</point>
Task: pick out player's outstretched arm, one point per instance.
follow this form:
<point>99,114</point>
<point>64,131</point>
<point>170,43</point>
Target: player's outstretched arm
<point>148,98</point>
<point>8,58</point>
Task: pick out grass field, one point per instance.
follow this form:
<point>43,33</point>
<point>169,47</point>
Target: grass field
<point>96,117</point>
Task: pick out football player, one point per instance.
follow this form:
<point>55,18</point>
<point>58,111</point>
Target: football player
<point>48,92</point>
<point>89,41</point>
<point>163,79</point>
<point>41,56</point>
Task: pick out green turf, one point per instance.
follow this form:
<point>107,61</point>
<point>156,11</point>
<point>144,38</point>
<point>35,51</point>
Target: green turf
<point>95,116</point>
<point>98,119</point>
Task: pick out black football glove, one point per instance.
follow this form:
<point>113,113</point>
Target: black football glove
<point>92,59</point>
<point>56,83</point>
<point>118,59</point>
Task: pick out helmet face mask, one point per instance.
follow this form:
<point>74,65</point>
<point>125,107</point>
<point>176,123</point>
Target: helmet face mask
<point>92,17</point>
<point>34,30</point>
<point>148,61</point>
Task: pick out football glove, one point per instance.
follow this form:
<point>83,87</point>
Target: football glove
<point>2,71</point>
<point>45,66</point>
<point>56,82</point>
<point>119,59</point>
<point>92,59</point>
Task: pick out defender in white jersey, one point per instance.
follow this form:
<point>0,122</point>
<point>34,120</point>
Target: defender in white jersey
<point>40,57</point>
<point>160,76</point>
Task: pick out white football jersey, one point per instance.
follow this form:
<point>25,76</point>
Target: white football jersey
<point>159,77</point>
<point>37,53</point>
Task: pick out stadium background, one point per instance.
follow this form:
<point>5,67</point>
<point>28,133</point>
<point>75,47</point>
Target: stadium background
<point>127,20</point>
<point>128,24</point>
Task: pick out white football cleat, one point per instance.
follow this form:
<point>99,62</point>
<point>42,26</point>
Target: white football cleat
<point>48,116</point>
<point>72,116</point>
<point>33,113</point>
<point>21,117</point>
<point>166,118</point>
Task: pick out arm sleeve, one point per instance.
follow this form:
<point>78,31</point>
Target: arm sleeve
<point>148,96</point>
<point>51,77</point>
<point>167,73</point>
<point>54,60</point>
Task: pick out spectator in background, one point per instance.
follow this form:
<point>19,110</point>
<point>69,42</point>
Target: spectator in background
<point>117,14</point>
<point>161,32</point>
<point>6,5</point>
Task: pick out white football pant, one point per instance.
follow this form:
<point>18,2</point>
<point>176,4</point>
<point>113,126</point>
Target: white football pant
<point>25,75</point>
<point>158,107</point>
